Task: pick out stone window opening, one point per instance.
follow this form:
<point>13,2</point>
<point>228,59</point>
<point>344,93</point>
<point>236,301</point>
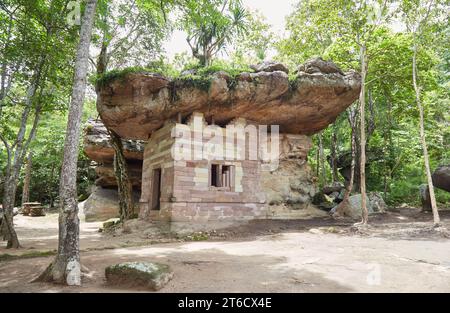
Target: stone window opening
<point>222,177</point>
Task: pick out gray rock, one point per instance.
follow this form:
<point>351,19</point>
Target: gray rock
<point>270,66</point>
<point>377,202</point>
<point>318,65</point>
<point>103,204</point>
<point>425,197</point>
<point>334,187</point>
<point>441,177</point>
<point>353,208</point>
<point>153,276</point>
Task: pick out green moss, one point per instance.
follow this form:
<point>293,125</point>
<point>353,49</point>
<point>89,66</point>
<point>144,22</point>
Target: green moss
<point>29,255</point>
<point>115,75</point>
<point>196,81</point>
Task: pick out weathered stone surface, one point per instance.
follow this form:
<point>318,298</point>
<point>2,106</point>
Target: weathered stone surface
<point>318,65</point>
<point>425,198</point>
<point>441,177</point>
<point>153,276</point>
<point>97,145</point>
<point>352,209</point>
<point>103,204</point>
<point>136,105</point>
<point>107,177</point>
<point>270,66</point>
<point>377,202</point>
<point>334,187</point>
<point>291,185</point>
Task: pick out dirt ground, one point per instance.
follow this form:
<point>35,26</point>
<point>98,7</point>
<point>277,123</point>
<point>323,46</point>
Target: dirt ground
<point>399,252</point>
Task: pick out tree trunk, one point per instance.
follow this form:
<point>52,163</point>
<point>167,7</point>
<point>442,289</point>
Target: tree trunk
<point>27,180</point>
<point>66,268</point>
<point>323,179</point>
<point>333,162</point>
<point>125,188</point>
<point>423,140</point>
<point>16,156</point>
<point>345,202</point>
<point>362,167</point>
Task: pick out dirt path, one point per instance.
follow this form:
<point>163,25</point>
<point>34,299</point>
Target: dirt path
<point>320,256</point>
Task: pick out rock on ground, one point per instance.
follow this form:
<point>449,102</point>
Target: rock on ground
<point>153,276</point>
<point>352,209</point>
<point>103,204</point>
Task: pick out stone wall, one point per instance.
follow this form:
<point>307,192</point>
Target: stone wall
<point>256,191</point>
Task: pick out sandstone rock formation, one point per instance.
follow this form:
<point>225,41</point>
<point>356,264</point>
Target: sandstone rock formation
<point>103,203</point>
<point>137,104</point>
<point>97,145</point>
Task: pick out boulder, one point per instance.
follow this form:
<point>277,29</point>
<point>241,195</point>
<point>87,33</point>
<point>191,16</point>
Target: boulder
<point>318,65</point>
<point>107,177</point>
<point>334,187</point>
<point>270,66</point>
<point>425,198</point>
<point>103,204</point>
<point>441,177</point>
<point>352,209</point>
<point>377,202</point>
<point>152,276</point>
<point>136,104</point>
<point>97,145</point>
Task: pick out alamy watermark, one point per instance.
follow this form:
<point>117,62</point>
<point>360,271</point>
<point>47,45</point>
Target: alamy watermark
<point>74,16</point>
<point>236,142</point>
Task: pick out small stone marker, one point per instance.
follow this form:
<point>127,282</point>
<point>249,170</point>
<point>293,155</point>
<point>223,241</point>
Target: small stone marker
<point>153,276</point>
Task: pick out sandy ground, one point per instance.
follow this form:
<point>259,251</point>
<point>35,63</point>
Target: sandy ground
<point>398,253</point>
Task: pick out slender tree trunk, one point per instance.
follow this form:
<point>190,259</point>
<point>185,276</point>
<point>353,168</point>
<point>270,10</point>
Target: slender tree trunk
<point>334,169</point>
<point>27,180</point>
<point>345,202</point>
<point>15,161</point>
<point>362,167</point>
<point>323,179</point>
<point>423,140</point>
<point>66,268</point>
<point>125,187</point>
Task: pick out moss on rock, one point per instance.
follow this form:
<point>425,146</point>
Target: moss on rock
<point>153,276</point>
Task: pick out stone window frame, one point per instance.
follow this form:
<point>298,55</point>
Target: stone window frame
<point>232,176</point>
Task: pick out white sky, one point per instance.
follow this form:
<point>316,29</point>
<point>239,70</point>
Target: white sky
<point>275,12</point>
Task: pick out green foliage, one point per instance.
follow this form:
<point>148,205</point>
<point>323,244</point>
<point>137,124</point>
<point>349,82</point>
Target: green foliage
<point>211,25</point>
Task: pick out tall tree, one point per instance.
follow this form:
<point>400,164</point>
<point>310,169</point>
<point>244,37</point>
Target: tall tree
<point>32,67</point>
<point>211,25</point>
<point>66,267</point>
<point>417,15</point>
<point>124,29</point>
<point>27,180</point>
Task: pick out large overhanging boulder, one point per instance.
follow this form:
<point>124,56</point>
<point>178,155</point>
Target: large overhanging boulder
<point>136,104</point>
<point>97,144</point>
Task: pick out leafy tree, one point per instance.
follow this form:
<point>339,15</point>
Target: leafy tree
<point>211,25</point>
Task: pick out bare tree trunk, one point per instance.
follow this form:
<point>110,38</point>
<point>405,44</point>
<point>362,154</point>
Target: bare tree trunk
<point>27,180</point>
<point>16,156</point>
<point>125,187</point>
<point>362,169</point>
<point>423,140</point>
<point>333,162</point>
<point>345,202</point>
<point>323,179</point>
<point>66,268</point>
